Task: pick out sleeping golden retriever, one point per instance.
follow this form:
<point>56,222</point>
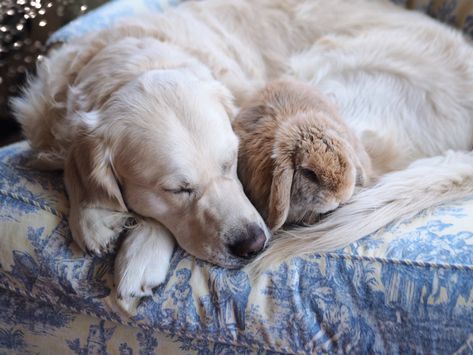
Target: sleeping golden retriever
<point>139,116</point>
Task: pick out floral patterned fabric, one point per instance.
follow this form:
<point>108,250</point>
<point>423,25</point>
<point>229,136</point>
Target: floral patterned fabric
<point>406,289</point>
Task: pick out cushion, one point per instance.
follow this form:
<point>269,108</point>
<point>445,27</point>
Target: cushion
<point>407,288</point>
<point>106,15</point>
<point>458,13</point>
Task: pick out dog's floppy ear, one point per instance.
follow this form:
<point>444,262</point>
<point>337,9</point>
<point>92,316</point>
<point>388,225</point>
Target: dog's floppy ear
<point>93,191</point>
<point>280,194</point>
<point>89,175</point>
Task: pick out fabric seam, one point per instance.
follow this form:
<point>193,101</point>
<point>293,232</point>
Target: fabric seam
<point>385,261</point>
<point>31,202</point>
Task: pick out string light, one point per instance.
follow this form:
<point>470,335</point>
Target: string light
<point>25,25</point>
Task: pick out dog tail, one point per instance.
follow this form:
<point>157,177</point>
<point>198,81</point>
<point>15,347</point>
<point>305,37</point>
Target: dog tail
<point>425,183</point>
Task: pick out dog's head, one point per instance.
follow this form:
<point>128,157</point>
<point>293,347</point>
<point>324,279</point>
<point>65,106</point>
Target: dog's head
<point>297,160</point>
<point>163,147</point>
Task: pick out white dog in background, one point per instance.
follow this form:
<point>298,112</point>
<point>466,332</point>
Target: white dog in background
<point>139,115</point>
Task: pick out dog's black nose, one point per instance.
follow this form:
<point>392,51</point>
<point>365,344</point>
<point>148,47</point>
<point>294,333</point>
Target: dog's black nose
<point>249,243</point>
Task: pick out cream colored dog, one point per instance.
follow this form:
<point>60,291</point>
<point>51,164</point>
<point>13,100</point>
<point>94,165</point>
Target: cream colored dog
<point>139,117</point>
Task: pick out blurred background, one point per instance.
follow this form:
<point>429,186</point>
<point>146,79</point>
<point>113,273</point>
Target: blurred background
<point>25,26</point>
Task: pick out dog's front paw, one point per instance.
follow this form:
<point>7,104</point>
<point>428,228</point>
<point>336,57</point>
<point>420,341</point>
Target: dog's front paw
<point>96,229</point>
<point>142,263</point>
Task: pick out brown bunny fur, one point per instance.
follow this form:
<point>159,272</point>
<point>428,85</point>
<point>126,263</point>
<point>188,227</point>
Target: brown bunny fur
<point>297,159</point>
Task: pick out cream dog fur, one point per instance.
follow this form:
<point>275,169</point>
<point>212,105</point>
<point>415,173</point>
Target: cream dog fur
<point>402,82</point>
<point>139,117</point>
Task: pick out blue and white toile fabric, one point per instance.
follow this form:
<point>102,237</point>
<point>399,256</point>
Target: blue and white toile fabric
<point>108,14</point>
<point>406,289</point>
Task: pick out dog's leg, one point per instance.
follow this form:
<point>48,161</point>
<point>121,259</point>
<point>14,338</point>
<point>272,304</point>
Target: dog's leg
<point>95,229</point>
<point>142,263</point>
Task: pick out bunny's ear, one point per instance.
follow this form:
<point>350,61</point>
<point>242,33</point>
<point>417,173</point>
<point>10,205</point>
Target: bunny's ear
<point>280,195</point>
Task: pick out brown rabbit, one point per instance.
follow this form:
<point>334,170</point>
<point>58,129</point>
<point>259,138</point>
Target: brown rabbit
<point>297,159</point>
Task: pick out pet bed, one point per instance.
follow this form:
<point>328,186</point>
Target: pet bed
<point>406,289</point>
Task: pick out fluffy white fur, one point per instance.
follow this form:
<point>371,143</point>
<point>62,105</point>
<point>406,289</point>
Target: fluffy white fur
<point>139,263</point>
<point>139,117</point>
<point>130,110</point>
<point>403,83</point>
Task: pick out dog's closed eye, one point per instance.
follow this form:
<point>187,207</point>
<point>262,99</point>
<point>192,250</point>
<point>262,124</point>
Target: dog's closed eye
<point>181,190</point>
<point>310,175</point>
